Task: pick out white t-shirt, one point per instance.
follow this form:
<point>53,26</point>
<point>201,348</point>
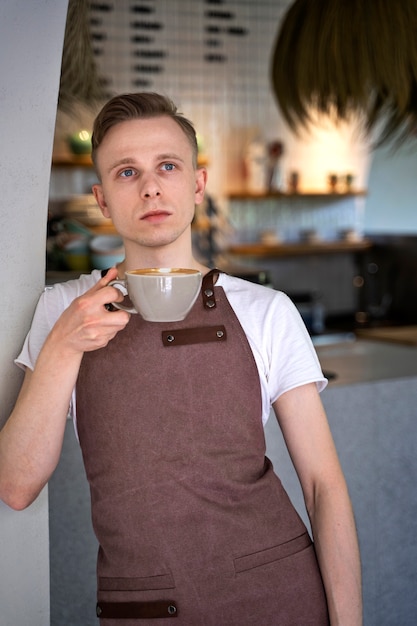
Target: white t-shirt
<point>281,345</point>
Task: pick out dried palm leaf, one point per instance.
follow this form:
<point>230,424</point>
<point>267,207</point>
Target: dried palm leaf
<point>80,82</point>
<point>349,57</point>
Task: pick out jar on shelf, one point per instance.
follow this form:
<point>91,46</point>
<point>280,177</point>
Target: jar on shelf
<point>256,162</point>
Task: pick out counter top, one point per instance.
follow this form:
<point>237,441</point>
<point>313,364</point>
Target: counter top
<point>406,335</point>
<point>361,361</point>
<point>299,249</point>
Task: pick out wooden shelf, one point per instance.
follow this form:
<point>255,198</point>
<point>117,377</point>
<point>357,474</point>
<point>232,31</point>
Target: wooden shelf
<point>298,249</point>
<point>81,160</point>
<point>244,195</point>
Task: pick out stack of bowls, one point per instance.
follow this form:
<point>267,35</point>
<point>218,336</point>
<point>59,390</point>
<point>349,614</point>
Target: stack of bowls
<point>76,253</point>
<point>106,251</point>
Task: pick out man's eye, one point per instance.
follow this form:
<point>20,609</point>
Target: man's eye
<point>127,173</point>
<point>168,167</point>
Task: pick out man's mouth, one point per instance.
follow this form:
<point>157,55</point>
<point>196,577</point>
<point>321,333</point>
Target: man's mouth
<point>155,216</point>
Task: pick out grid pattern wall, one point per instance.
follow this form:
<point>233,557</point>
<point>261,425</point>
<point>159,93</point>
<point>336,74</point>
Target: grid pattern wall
<point>210,56</point>
<point>199,50</point>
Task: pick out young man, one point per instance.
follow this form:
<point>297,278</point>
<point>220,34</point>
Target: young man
<point>192,522</point>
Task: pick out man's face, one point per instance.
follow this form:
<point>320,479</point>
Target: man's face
<point>149,187</point>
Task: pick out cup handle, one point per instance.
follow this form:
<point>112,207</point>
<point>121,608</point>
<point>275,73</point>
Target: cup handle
<point>120,284</point>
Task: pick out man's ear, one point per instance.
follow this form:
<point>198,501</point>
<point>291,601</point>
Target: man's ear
<point>200,184</point>
<point>99,196</point>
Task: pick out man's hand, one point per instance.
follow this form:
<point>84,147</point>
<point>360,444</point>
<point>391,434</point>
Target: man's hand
<point>86,324</point>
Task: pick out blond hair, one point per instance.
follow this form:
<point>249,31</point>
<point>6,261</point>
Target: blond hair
<point>133,106</point>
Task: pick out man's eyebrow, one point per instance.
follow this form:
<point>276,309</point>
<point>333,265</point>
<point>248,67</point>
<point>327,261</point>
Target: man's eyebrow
<point>123,161</point>
<point>169,155</point>
<point>164,156</point>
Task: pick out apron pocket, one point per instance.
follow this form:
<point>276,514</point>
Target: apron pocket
<point>144,583</point>
<point>269,555</point>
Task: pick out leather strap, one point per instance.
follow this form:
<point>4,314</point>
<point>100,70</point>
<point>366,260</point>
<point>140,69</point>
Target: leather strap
<point>137,610</point>
<point>188,336</point>
<point>207,291</point>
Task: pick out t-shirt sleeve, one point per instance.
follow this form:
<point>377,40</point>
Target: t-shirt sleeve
<point>293,358</point>
<point>48,309</point>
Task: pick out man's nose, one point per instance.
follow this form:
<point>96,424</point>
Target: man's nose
<point>150,187</point>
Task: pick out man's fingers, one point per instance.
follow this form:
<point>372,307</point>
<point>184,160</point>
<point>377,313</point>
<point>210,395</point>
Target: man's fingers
<point>104,280</point>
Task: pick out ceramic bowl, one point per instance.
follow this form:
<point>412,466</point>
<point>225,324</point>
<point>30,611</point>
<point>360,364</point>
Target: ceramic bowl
<point>106,251</point>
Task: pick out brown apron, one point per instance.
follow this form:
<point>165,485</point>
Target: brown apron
<point>192,522</point>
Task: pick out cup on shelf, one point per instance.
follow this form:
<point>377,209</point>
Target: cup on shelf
<point>332,180</point>
<point>293,182</point>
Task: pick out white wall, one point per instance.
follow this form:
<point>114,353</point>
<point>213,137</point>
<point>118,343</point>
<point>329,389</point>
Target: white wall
<point>31,37</point>
<point>391,205</point>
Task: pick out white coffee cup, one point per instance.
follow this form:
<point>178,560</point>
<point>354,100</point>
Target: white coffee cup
<point>163,294</point>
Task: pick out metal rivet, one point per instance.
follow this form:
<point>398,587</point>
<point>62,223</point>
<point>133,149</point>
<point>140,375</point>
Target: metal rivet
<point>220,333</point>
<point>210,304</point>
<point>208,292</point>
<point>99,610</point>
<point>172,609</point>
<point>170,338</point>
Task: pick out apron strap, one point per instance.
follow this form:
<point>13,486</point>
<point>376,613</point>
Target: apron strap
<point>207,291</point>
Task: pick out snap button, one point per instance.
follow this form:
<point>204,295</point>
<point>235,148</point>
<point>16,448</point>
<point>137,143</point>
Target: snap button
<point>172,609</point>
<point>210,304</point>
<point>220,334</point>
<point>208,292</point>
<point>170,338</point>
<point>99,610</point>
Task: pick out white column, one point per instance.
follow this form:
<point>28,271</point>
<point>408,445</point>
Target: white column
<point>31,38</point>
